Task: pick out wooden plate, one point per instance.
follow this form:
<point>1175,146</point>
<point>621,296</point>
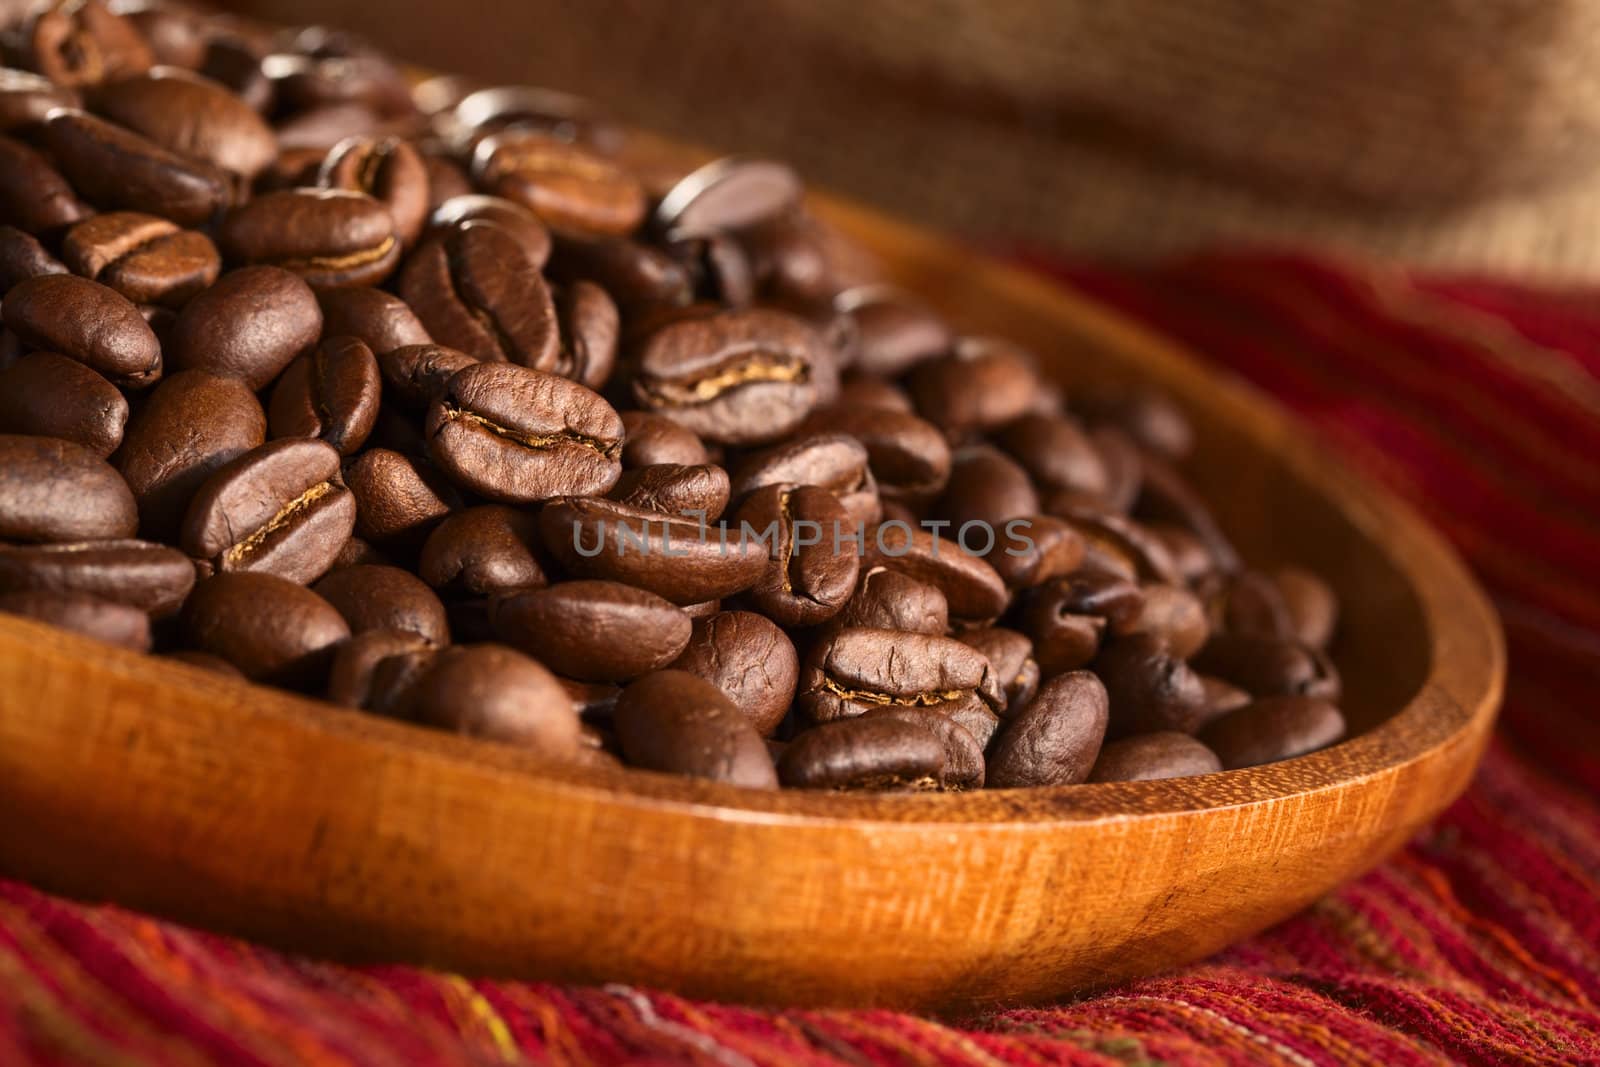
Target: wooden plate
<point>342,835</point>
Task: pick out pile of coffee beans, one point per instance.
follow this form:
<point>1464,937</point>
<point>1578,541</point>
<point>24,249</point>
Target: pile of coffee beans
<point>439,404</point>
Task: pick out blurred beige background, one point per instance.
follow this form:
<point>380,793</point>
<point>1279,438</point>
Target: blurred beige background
<point>1463,133</point>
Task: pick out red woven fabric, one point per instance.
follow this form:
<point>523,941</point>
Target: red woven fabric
<point>1476,944</point>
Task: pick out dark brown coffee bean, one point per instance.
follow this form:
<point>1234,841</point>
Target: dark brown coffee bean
<point>103,620</point>
<point>908,455</point>
<point>638,276</point>
<point>330,237</point>
<point>972,588</point>
<point>791,261</point>
<point>387,169</point>
<point>175,37</point>
<point>888,600</point>
<point>33,194</point>
<point>321,128</point>
<point>494,692</point>
<point>191,424</point>
<point>355,666</point>
<point>1250,602</point>
<point>1313,606</point>
<point>147,259</point>
<point>141,574</point>
<point>116,168</point>
<point>48,395</point>
<point>592,630</point>
<point>568,187</point>
<point>446,181</point>
<point>518,435</point>
<point>382,320</point>
<point>518,221</point>
<point>270,628</point>
<point>1124,468</point>
<point>1164,496</point>
<point>833,461</point>
<point>1067,618</point>
<point>89,322</point>
<point>82,44</point>
<point>851,671</point>
<point>1145,414</point>
<point>1151,689</point>
<point>986,487</point>
<point>278,509</point>
<point>251,325</point>
<point>1188,554</point>
<point>562,115</point>
<point>1054,739</point>
<point>397,498</point>
<point>331,393</point>
<point>894,330</point>
<point>811,569</point>
<point>674,721</point>
<point>418,374</point>
<point>738,377</point>
<point>732,193</point>
<point>653,439</point>
<point>235,63</point>
<point>750,659</point>
<point>879,754</point>
<point>55,490</point>
<point>1010,654</point>
<point>475,290</point>
<point>1274,728</point>
<point>590,326</point>
<point>696,492</point>
<point>1031,550</point>
<point>191,115</point>
<point>876,394</point>
<point>23,257</point>
<point>1222,697</point>
<point>719,270</point>
<point>483,551</point>
<point>1268,666</point>
<point>1057,454</point>
<point>1174,616</point>
<point>1119,543</point>
<point>26,98</point>
<point>1148,757</point>
<point>385,598</point>
<point>981,385</point>
<point>963,753</point>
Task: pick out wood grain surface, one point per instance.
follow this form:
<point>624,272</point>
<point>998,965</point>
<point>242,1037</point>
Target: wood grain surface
<point>342,835</point>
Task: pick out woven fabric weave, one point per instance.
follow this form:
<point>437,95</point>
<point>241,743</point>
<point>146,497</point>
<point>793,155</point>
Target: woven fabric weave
<point>1478,943</point>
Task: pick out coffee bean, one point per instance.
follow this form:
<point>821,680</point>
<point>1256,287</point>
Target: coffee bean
<point>494,692</point>
<point>48,395</point>
<point>191,424</point>
<point>236,64</point>
<point>515,434</point>
<point>270,628</point>
<point>963,753</point>
<point>1274,728</point>
<point>418,374</point>
<point>1151,689</point>
<point>673,721</point>
<point>1055,739</point>
<point>653,439</point>
<point>1250,602</point>
<point>972,588</point>
<point>718,268</point>
<point>147,259</point>
<point>833,461</point>
<point>1175,617</point>
<point>53,490</point>
<point>886,754</point>
<point>23,257</point>
<point>1067,618</point>
<point>331,393</point>
<point>981,385</point>
<point>82,44</point>
<point>475,290</point>
<point>112,168</point>
<point>589,326</point>
<point>875,394</point>
<point>356,663</point>
<point>563,115</point>
<point>888,600</point>
<point>738,377</point>
<point>103,620</point>
<point>894,330</point>
<point>1147,415</point>
<point>1118,543</point>
<point>330,237</point>
<point>638,276</point>
<point>1032,549</point>
<point>251,325</point>
<point>908,455</point>
<point>1222,697</point>
<point>695,492</point>
<point>523,225</point>
<point>33,195</point>
<point>851,671</point>
<point>141,574</point>
<point>191,115</point>
<point>750,659</point>
<point>87,321</point>
<point>1148,757</point>
<point>381,320</point>
<point>792,267</point>
<point>811,572</point>
<point>175,37</point>
<point>568,187</point>
<point>1010,654</point>
<point>1188,554</point>
<point>278,509</point>
<point>483,551</point>
<point>398,498</point>
<point>729,194</point>
<point>387,169</point>
<point>1123,464</point>
<point>1268,666</point>
<point>311,81</point>
<point>1164,496</point>
<point>986,487</point>
<point>1313,606</point>
<point>26,98</point>
<point>1057,454</point>
<point>593,630</point>
<point>385,598</point>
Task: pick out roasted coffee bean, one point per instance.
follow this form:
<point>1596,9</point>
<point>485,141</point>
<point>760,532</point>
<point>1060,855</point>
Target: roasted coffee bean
<point>1145,414</point>
<point>54,490</point>
<point>729,194</point>
<point>278,509</point>
<point>1174,616</point>
<point>175,37</point>
<point>590,325</point>
<point>652,439</point>
<point>1250,602</point>
<point>1032,549</point>
<point>674,721</point>
<point>141,574</point>
<point>1067,618</point>
<point>331,393</point>
<point>48,395</point>
<point>1119,543</point>
<point>790,260</point>
<point>1188,554</point>
<point>1268,666</point>
<point>1151,689</point>
<point>330,237</point>
<point>250,325</point>
<point>718,268</point>
<point>963,753</point>
<point>972,588</point>
<point>1164,496</point>
<point>987,488</point>
<point>908,455</point>
<point>147,259</point>
<point>888,600</point>
<point>563,115</point>
<point>696,492</point>
<point>387,169</point>
<point>82,44</point>
<point>1313,607</point>
<point>418,374</point>
<point>1058,455</point>
<point>515,434</point>
<point>397,498</point>
<point>568,187</point>
<point>874,393</point>
<point>385,598</point>
<point>1148,757</point>
<point>1274,728</point>
<point>833,461</point>
<point>594,702</point>
<point>677,558</point>
<point>1222,697</point>
<point>1055,739</point>
<point>981,385</point>
<point>356,661</point>
<point>191,115</point>
<point>851,671</point>
<point>1010,654</point>
<point>33,194</point>
<point>112,168</point>
<point>518,221</point>
<point>270,628</point>
<point>322,128</point>
<point>483,551</point>
<point>87,321</point>
<point>811,571</point>
<point>475,290</point>
<point>638,276</point>
<point>737,377</point>
<point>23,257</point>
<point>879,754</point>
<point>495,692</point>
<point>750,659</point>
<point>894,331</point>
<point>235,64</point>
<point>594,631</point>
<point>381,320</point>
<point>1123,464</point>
<point>26,98</point>
<point>103,620</point>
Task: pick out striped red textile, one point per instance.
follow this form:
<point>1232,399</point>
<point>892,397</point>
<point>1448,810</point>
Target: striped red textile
<point>1479,943</point>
